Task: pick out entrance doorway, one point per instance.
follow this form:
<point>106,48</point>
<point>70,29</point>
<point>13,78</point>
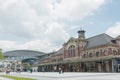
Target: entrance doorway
<point>118,68</point>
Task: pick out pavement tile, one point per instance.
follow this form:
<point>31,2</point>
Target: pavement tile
<point>2,78</point>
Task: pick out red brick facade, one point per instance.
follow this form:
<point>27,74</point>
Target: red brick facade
<point>82,55</point>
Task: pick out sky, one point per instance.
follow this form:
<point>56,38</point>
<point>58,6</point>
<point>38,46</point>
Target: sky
<point>44,25</point>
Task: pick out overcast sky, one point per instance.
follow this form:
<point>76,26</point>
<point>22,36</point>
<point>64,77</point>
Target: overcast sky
<point>44,25</point>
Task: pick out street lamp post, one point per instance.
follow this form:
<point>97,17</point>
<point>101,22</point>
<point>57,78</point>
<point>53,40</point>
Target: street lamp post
<point>15,65</point>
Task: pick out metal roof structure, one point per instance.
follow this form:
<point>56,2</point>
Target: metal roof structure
<point>98,40</point>
<point>60,51</point>
<point>18,53</point>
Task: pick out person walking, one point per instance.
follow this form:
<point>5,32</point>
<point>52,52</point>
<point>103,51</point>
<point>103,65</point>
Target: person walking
<point>60,70</point>
<point>31,70</point>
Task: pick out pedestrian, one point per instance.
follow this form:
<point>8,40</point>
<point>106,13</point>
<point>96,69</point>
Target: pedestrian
<point>8,71</point>
<point>31,70</point>
<point>60,70</point>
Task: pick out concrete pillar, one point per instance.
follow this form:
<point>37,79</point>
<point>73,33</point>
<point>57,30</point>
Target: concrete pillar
<point>94,70</point>
<point>102,70</point>
<point>113,65</point>
<point>107,66</point>
<point>78,67</point>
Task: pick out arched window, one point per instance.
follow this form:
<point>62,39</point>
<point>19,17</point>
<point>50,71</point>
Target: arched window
<point>115,52</point>
<point>97,54</point>
<point>83,55</point>
<point>90,55</point>
<point>71,51</point>
<point>69,54</point>
<point>87,55</point>
<point>105,52</point>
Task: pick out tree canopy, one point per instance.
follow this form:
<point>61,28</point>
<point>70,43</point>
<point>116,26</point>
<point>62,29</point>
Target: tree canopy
<point>1,56</point>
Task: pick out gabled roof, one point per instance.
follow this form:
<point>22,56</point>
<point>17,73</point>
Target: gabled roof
<point>60,51</point>
<point>98,40</point>
<point>118,37</point>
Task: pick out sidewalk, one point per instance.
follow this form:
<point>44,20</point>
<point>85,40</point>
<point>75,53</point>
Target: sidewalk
<point>2,78</point>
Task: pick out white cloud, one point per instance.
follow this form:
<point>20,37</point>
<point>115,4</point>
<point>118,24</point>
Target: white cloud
<point>7,45</point>
<point>37,21</point>
<point>114,31</point>
<point>39,45</point>
<point>76,9</point>
<point>56,32</point>
<point>5,3</point>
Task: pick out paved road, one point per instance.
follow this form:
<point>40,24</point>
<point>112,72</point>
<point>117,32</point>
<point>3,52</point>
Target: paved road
<point>69,76</point>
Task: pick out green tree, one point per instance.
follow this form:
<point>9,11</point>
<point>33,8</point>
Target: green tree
<point>1,56</point>
<point>27,66</point>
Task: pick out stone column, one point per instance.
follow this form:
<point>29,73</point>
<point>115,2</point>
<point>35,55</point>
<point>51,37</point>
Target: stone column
<point>107,66</point>
<point>113,65</point>
<point>110,65</point>
<point>102,68</point>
